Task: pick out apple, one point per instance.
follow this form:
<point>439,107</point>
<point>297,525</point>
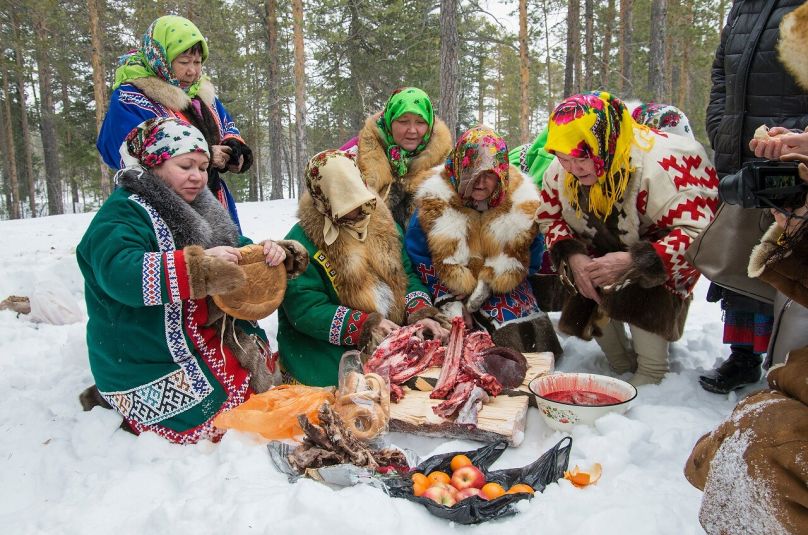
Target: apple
<point>440,495</point>
<point>467,476</point>
<point>450,489</point>
<point>468,493</point>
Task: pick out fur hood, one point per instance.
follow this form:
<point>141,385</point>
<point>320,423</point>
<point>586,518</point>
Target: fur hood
<point>369,275</point>
<point>398,192</point>
<point>468,246</point>
<point>172,96</point>
<point>203,222</point>
<point>793,44</point>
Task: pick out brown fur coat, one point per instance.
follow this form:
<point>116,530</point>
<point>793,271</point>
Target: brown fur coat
<point>369,275</point>
<point>468,246</point>
<point>398,192</point>
<point>788,275</point>
<point>753,468</point>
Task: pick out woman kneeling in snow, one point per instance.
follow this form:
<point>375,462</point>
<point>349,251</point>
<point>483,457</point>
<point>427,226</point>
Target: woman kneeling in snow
<point>152,254</point>
<point>474,240</point>
<point>359,285</point>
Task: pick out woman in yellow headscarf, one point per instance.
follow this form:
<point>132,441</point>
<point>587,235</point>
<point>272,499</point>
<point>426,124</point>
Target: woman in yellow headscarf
<point>620,205</point>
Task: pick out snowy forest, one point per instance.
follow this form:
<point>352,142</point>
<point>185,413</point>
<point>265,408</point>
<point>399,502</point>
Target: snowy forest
<point>299,76</point>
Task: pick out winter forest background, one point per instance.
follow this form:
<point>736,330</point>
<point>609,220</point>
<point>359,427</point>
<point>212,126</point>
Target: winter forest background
<point>300,76</point>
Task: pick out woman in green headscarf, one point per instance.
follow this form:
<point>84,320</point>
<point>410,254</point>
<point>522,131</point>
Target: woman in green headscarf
<point>163,78</point>
<point>398,146</point>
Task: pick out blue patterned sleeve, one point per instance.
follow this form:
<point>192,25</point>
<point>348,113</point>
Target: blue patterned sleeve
<point>128,107</point>
<point>227,126</point>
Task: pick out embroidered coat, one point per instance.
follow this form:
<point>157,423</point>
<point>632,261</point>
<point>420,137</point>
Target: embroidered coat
<point>145,98</point>
<point>453,247</point>
<point>325,308</point>
<point>398,192</point>
<point>152,352</point>
<point>671,197</point>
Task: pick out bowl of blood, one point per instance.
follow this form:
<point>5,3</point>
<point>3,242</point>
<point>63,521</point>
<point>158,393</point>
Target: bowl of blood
<point>567,399</point>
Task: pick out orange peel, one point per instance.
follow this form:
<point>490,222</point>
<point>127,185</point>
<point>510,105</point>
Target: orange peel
<point>581,478</point>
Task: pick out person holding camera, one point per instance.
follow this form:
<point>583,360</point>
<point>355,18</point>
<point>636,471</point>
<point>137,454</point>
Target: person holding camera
<point>750,88</point>
<point>163,78</point>
<point>620,205</point>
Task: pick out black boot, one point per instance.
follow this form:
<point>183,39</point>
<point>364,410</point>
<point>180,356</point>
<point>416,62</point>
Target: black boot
<point>740,369</point>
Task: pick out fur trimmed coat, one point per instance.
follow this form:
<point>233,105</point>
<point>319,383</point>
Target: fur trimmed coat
<point>671,197</point>
<point>398,192</point>
<point>485,255</point>
<point>325,309</point>
<point>145,98</point>
<point>153,352</point>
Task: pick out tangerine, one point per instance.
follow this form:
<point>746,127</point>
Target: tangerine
<point>459,461</point>
<point>438,477</point>
<point>492,491</point>
<point>520,487</point>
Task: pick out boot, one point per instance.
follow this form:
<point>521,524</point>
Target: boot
<point>616,347</point>
<point>90,397</point>
<point>652,357</point>
<point>740,369</point>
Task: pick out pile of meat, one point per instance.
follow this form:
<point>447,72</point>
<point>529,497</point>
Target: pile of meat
<point>331,443</point>
<point>403,355</point>
<point>472,368</point>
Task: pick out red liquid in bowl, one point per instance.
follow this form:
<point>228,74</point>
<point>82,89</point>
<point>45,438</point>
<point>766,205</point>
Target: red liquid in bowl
<point>582,397</point>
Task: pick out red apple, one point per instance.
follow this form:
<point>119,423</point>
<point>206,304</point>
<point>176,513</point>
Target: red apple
<point>468,493</point>
<point>447,487</point>
<point>440,495</point>
<point>467,476</point>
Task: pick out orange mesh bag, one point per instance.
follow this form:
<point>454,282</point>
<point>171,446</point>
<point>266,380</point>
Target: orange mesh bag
<point>273,414</point>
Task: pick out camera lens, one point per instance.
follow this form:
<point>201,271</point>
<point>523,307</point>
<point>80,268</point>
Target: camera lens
<point>731,190</point>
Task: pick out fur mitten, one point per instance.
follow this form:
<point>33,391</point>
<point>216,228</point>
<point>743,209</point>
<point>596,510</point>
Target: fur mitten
<point>430,313</point>
<point>371,335</point>
<point>478,296</point>
<point>238,149</point>
<point>208,275</point>
<point>297,258</point>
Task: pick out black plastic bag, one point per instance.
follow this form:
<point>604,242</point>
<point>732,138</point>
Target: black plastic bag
<point>546,469</point>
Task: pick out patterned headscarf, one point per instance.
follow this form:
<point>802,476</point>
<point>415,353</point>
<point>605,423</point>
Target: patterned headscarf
<point>166,38</point>
<point>595,125</point>
<point>478,150</point>
<point>159,139</point>
<point>405,100</point>
<point>337,189</point>
<point>663,117</point>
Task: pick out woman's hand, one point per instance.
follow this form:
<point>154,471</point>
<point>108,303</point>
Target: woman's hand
<point>609,268</point>
<point>274,253</point>
<point>433,327</point>
<point>578,264</point>
<point>780,141</point>
<point>225,252</point>
<point>220,155</point>
<point>236,168</point>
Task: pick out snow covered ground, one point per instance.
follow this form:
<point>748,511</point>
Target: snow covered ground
<point>66,471</point>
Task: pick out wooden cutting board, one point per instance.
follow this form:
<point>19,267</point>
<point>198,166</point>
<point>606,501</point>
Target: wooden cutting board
<point>504,417</point>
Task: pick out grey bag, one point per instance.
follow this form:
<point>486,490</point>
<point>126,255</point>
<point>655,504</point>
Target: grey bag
<point>721,252</point>
<point>790,329</point>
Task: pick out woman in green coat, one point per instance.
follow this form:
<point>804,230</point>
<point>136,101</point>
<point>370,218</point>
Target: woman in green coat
<point>152,254</point>
<point>359,284</point>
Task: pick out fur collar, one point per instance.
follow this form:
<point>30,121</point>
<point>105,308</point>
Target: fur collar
<point>172,96</point>
<point>203,222</point>
<point>763,251</point>
<point>369,275</point>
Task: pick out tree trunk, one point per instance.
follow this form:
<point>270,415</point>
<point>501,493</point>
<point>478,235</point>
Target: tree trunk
<point>30,179</point>
<point>572,65</point>
<point>275,124</point>
<point>626,34</point>
<point>606,62</point>
<point>481,86</point>
<point>301,147</point>
<point>10,160</point>
<point>95,9</point>
<point>47,123</point>
<point>547,59</point>
<point>449,65</point>
<point>589,45</point>
<point>722,14</point>
<point>684,71</point>
<point>524,75</point>
<point>656,53</point>
<point>354,61</point>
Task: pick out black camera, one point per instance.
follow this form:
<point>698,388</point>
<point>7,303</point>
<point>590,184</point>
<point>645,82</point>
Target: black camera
<point>764,184</point>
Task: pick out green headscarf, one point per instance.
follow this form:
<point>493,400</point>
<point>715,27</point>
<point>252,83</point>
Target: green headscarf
<point>166,38</point>
<point>405,100</point>
<point>533,159</point>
